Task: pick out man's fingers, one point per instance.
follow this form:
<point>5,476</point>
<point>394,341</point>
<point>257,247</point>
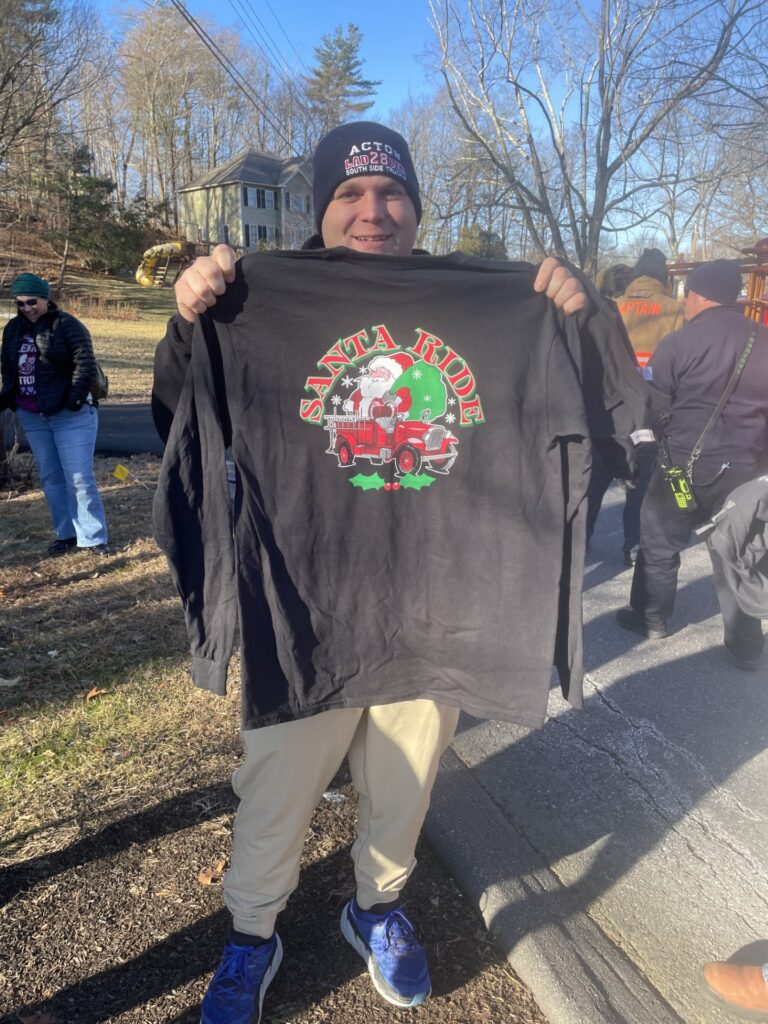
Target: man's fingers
<point>544,275</point>
<point>560,285</point>
<point>574,303</point>
<point>567,294</point>
<point>201,284</point>
<point>225,256</point>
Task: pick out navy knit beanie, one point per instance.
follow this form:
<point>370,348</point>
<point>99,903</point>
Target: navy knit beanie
<point>352,150</point>
<point>653,263</point>
<point>30,284</point>
<point>718,281</point>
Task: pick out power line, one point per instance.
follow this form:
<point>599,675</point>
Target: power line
<point>290,43</point>
<point>231,71</point>
<point>250,18</point>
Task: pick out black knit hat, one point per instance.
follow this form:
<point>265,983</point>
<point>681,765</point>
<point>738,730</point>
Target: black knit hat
<point>653,263</point>
<point>352,150</point>
<point>718,281</point>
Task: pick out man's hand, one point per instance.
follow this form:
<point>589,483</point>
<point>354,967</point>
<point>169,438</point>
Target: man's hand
<point>198,287</point>
<point>559,285</point>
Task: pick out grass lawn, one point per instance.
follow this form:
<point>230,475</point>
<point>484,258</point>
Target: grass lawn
<point>115,804</point>
<point>125,349</point>
<point>117,294</point>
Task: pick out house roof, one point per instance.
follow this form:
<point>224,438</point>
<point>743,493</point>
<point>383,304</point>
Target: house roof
<point>253,168</point>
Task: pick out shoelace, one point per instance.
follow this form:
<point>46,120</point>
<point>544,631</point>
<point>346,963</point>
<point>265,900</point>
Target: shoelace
<point>399,934</point>
<point>235,964</point>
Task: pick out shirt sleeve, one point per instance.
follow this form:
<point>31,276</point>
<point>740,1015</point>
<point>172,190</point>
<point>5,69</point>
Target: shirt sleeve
<point>172,358</point>
<point>192,515</point>
<point>662,378</point>
<point>80,347</point>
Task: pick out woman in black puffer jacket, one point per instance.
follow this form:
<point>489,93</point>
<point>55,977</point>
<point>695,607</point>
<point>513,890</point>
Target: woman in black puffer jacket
<point>48,370</point>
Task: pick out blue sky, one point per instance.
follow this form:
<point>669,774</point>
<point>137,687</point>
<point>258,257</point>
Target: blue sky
<point>394,34</point>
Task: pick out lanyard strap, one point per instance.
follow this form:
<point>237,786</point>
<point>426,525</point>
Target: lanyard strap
<point>699,446</point>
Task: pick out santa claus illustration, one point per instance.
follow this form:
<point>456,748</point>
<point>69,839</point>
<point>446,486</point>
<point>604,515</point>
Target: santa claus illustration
<point>377,392</point>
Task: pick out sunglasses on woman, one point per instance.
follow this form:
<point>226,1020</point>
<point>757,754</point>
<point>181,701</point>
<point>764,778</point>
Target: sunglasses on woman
<point>21,303</point>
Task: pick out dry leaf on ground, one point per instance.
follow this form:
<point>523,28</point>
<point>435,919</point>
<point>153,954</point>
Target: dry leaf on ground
<point>213,874</point>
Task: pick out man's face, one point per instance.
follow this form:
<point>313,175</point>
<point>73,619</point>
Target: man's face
<point>32,307</point>
<point>371,213</point>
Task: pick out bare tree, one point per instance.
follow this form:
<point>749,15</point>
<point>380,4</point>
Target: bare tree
<point>42,46</point>
<point>563,99</point>
<point>461,187</point>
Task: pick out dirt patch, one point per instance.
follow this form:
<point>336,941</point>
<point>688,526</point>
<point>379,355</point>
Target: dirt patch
<point>116,813</point>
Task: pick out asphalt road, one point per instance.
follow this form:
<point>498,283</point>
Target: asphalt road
<point>623,845</point>
<point>124,429</point>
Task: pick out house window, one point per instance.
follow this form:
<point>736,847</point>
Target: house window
<point>259,198</point>
<point>224,233</point>
<point>256,233</point>
<point>294,237</point>
<point>296,201</point>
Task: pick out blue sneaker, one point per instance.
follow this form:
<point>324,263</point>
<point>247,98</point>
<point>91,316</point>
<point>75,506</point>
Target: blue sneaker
<point>396,962</point>
<point>237,989</point>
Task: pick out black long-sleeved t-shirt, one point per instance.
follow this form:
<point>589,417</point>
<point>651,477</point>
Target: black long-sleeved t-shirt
<point>412,443</point>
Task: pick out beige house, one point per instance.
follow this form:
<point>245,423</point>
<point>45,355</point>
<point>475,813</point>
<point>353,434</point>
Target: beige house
<point>253,198</point>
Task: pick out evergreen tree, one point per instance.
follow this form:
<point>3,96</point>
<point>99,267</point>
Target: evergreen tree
<point>83,219</point>
<point>476,241</point>
<point>336,89</point>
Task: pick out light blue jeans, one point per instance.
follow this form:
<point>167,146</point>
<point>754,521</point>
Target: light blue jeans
<point>62,446</point>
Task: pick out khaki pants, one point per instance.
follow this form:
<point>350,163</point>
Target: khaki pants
<point>393,750</point>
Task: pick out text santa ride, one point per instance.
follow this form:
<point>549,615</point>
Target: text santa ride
<point>348,351</point>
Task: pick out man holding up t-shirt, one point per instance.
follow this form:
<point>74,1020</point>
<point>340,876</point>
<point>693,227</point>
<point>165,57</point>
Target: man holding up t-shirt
<point>393,748</point>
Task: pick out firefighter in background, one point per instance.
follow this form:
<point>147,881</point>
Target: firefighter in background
<point>649,314</point>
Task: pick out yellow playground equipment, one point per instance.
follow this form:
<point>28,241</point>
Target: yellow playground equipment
<point>161,264</point>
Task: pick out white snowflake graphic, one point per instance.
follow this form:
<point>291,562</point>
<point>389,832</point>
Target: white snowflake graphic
<point>427,398</point>
<point>336,400</point>
<point>417,374</point>
<point>451,401</point>
<point>450,418</point>
<point>347,381</point>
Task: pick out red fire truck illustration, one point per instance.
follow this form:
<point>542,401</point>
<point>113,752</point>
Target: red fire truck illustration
<point>386,436</point>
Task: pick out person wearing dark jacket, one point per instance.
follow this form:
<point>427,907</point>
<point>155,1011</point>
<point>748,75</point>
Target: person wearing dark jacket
<point>48,369</point>
<point>689,373</point>
<point>649,314</point>
<point>738,546</point>
<point>366,199</point>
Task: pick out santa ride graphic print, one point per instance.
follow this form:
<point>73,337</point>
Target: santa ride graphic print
<point>392,411</point>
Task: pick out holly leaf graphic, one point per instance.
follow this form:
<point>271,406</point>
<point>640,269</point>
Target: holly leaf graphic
<point>367,481</point>
<point>415,483</point>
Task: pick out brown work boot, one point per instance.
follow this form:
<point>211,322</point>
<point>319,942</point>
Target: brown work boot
<point>742,988</point>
